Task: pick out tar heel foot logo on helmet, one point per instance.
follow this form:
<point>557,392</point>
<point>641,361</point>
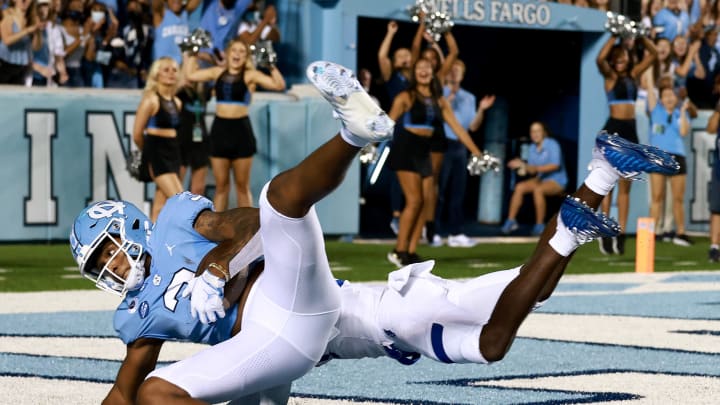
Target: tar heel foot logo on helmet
<point>120,231</point>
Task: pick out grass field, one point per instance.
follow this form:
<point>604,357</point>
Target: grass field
<point>42,267</point>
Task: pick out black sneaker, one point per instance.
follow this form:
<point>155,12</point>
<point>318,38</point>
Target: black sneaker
<point>399,259</point>
<point>714,255</point>
<point>606,245</point>
<point>668,236</point>
<point>618,244</point>
<point>413,258</point>
<point>682,240</point>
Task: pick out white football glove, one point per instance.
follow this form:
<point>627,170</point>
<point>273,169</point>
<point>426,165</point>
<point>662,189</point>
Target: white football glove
<point>206,297</point>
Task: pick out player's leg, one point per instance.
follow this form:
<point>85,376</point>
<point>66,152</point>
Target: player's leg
<point>293,192</point>
<point>274,396</point>
<point>613,158</point>
<point>293,240</point>
<point>297,283</point>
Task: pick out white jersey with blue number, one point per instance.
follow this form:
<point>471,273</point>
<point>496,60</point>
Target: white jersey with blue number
<point>156,310</point>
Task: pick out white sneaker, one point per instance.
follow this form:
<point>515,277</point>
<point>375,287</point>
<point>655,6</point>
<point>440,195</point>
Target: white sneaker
<point>357,111</point>
<point>460,240</point>
<point>437,241</point>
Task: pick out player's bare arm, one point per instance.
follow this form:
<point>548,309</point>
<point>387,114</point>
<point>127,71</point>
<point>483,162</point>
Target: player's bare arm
<point>234,224</point>
<point>232,229</point>
<point>140,360</point>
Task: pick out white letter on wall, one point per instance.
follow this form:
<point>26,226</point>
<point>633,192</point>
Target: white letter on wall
<point>108,153</point>
<point>41,206</point>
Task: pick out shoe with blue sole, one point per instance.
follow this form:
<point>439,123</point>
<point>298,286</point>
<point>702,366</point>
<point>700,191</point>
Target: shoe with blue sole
<point>585,223</point>
<point>355,108</point>
<point>630,159</point>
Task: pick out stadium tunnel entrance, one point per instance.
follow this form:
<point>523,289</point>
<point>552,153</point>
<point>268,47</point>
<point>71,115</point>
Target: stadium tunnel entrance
<point>535,75</point>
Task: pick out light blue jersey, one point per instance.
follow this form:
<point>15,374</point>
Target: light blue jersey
<point>673,24</point>
<point>464,106</point>
<point>156,310</point>
<point>665,130</point>
<point>169,34</point>
<point>550,153</point>
<point>221,23</point>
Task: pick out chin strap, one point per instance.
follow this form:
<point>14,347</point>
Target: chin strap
<point>136,276</point>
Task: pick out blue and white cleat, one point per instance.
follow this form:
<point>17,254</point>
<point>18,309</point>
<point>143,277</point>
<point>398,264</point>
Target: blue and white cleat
<point>630,159</point>
<point>584,222</point>
<point>353,106</point>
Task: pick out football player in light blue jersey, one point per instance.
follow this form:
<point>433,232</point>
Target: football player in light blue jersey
<point>295,301</point>
<point>151,279</point>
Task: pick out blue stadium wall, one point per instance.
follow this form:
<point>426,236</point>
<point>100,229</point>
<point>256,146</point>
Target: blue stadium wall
<point>62,149</point>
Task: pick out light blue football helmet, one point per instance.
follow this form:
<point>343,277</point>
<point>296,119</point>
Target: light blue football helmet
<point>121,223</point>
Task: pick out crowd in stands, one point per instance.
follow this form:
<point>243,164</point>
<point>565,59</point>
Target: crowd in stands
<point>112,43</point>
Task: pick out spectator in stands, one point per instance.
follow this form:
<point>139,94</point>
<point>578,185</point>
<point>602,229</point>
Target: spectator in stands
<point>232,142</point>
<point>20,32</point>
<point>669,123</point>
<point>49,60</point>
<point>671,20</point>
<point>170,18</point>
<point>453,175</point>
<point>649,11</point>
<point>686,61</point>
<point>192,133</point>
<point>257,24</point>
<point>76,39</point>
<point>418,111</point>
<point>132,61</point>
<point>713,129</point>
<point>396,72</point>
<point>548,177</point>
<point>221,20</point>
<point>155,131</point>
<point>686,64</point>
<point>663,64</point>
<point>102,28</point>
<point>365,78</point>
<point>622,79</point>
<point>701,91</point>
<point>711,14</point>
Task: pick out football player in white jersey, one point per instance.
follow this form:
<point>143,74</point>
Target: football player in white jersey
<point>475,321</point>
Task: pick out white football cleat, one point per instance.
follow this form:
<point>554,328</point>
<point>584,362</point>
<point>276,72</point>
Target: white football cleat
<point>353,106</point>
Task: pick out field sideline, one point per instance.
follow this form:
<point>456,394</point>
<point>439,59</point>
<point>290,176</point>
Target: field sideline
<point>44,267</point>
<point>609,335</point>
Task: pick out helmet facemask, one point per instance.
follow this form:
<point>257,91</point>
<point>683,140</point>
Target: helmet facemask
<point>105,278</point>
